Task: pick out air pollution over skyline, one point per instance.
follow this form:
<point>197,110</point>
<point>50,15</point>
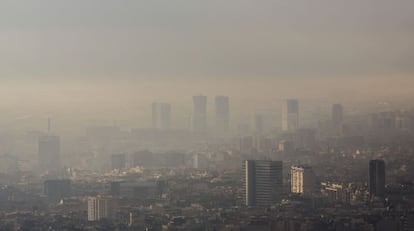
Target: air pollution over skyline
<point>110,56</point>
<point>207,115</point>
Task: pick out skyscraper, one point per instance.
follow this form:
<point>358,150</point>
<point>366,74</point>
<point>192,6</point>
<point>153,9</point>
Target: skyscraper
<point>161,116</point>
<point>290,115</point>
<point>165,116</point>
<point>200,113</point>
<point>259,123</point>
<point>49,154</point>
<point>337,118</point>
<point>302,180</point>
<point>337,114</point>
<point>222,113</point>
<point>262,182</point>
<point>155,115</point>
<point>377,178</point>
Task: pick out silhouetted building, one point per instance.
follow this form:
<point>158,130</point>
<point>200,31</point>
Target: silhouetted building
<point>337,114</point>
<point>303,180</point>
<point>200,113</point>
<point>161,116</point>
<point>49,154</point>
<point>377,178</point>
<point>118,161</point>
<point>57,189</point>
<point>259,123</point>
<point>262,182</point>
<point>290,115</point>
<point>155,115</point>
<point>337,118</point>
<point>222,113</point>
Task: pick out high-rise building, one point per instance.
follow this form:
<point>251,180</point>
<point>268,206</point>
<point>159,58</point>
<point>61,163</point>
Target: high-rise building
<point>259,123</point>
<point>337,118</point>
<point>155,115</point>
<point>165,116</point>
<point>262,182</point>
<point>290,115</point>
<point>222,113</point>
<point>49,154</point>
<point>337,114</point>
<point>161,116</point>
<point>102,207</point>
<point>303,180</point>
<point>118,161</point>
<point>200,113</point>
<point>377,178</point>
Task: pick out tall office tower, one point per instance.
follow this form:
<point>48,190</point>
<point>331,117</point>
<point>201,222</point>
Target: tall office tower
<point>337,118</point>
<point>290,115</point>
<point>118,161</point>
<point>303,180</point>
<point>165,116</point>
<point>200,113</point>
<point>155,115</point>
<point>262,182</point>
<point>259,123</point>
<point>377,178</point>
<point>161,116</point>
<point>101,207</point>
<point>222,113</point>
<point>49,154</point>
<point>337,114</point>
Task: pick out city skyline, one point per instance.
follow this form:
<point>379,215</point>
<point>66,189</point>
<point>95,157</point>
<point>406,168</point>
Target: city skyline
<point>207,115</point>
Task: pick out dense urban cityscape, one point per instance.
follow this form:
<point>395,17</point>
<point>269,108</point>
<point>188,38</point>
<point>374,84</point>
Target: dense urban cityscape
<point>349,172</point>
<point>183,115</point>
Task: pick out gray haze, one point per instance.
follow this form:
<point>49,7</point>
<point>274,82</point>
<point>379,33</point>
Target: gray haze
<point>86,58</point>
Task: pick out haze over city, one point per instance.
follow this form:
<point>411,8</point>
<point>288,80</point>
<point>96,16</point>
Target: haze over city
<point>206,115</point>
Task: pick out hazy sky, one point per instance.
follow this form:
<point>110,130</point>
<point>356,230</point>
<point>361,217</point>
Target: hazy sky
<point>97,50</point>
<point>205,39</point>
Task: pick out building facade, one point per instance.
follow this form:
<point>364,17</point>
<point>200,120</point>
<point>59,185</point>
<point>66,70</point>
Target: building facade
<point>302,180</point>
<point>337,119</point>
<point>290,115</point>
<point>222,104</point>
<point>262,182</point>
<point>377,178</point>
<point>200,113</point>
<point>161,116</point>
<point>101,207</point>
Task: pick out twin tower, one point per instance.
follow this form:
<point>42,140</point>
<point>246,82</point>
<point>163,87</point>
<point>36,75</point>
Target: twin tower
<point>222,113</point>
<point>161,114</point>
